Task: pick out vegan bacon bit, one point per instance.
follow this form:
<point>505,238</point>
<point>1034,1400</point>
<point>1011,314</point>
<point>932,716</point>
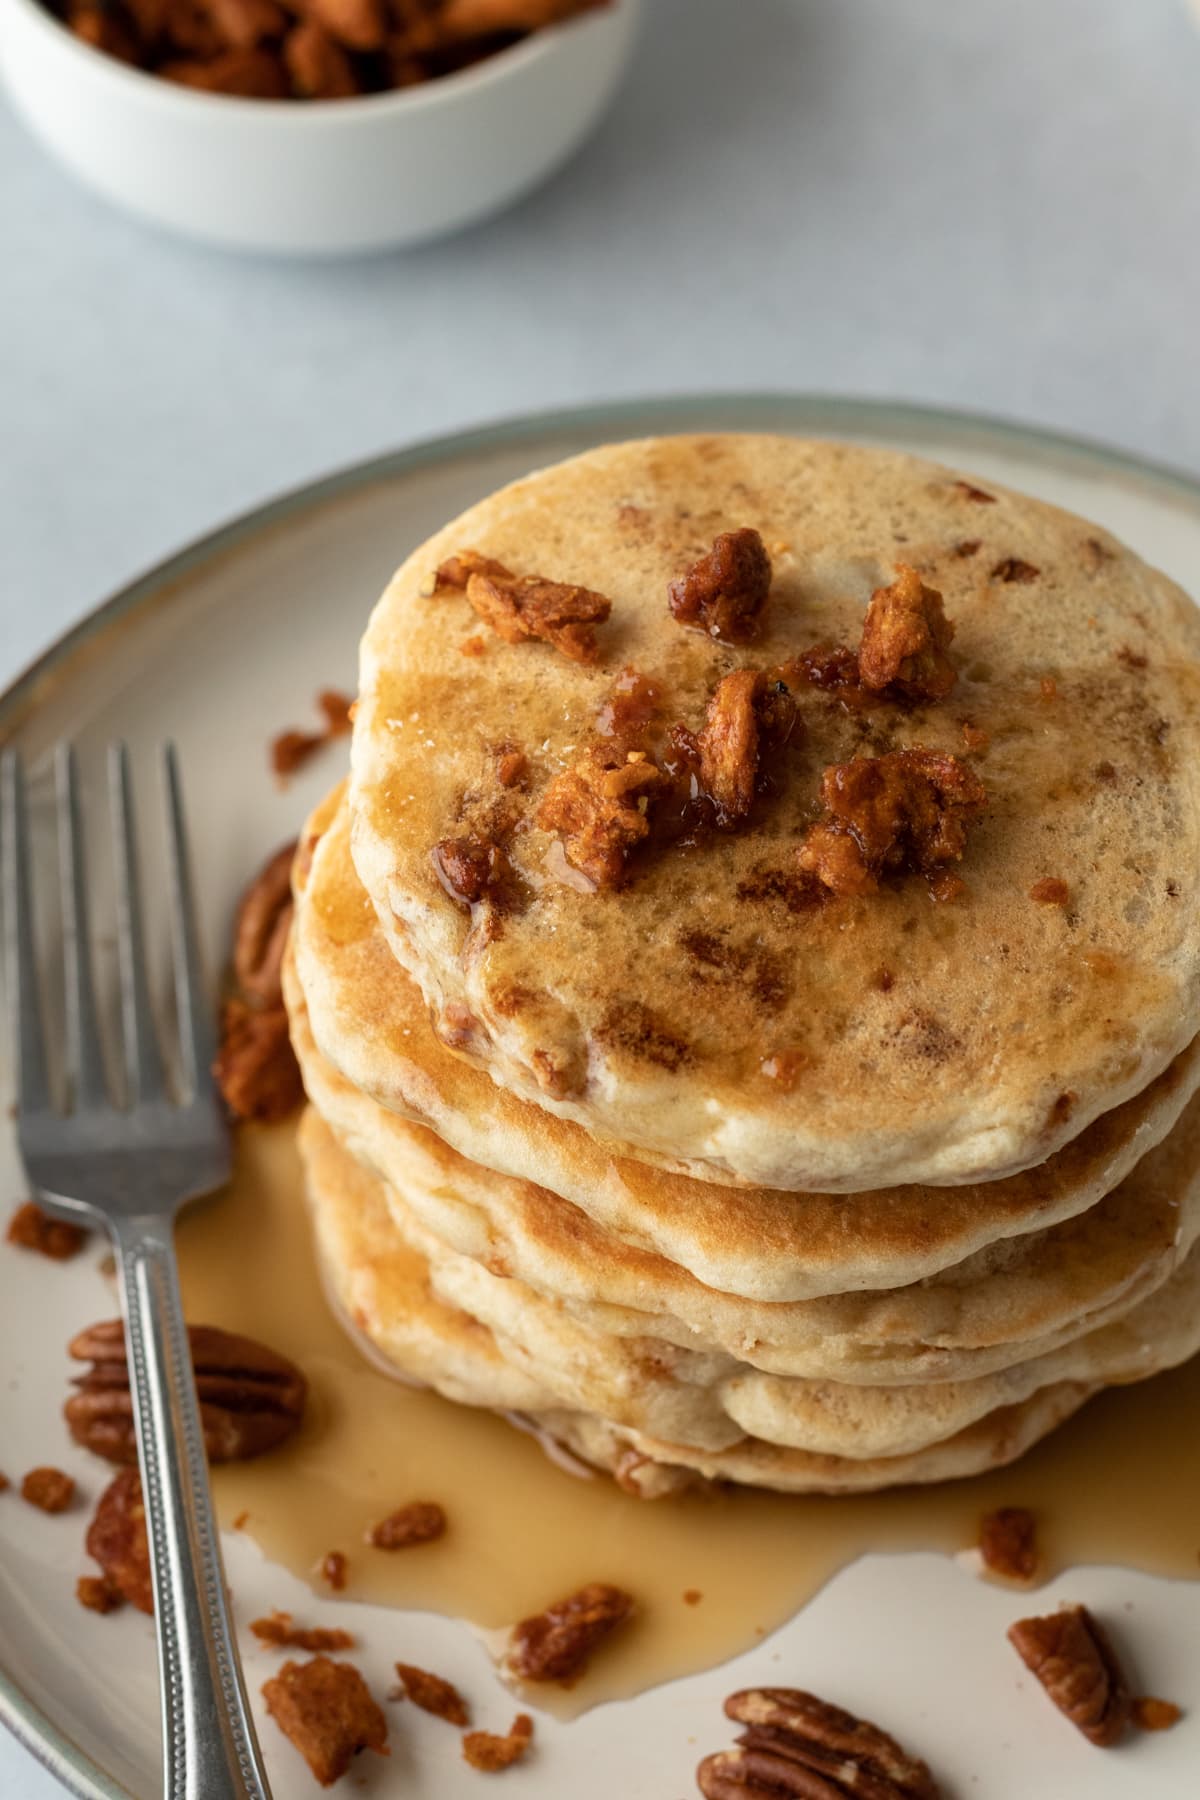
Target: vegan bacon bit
<point>750,712</point>
<point>1008,1543</point>
<point>278,1631</point>
<point>472,646</point>
<point>967,548</point>
<point>50,1490</point>
<point>907,810</point>
<point>1048,688</point>
<point>1156,1715</point>
<point>975,740</point>
<point>692,1596</point>
<point>599,808</point>
<point>290,750</point>
<point>98,1594</point>
<point>420,1522</point>
<point>489,1754</point>
<point>4,1483</point>
<point>512,766</point>
<point>432,1693</point>
<point>725,592</point>
<point>32,1229</point>
<point>1050,891</point>
<point>1069,1652</point>
<point>969,491</point>
<point>527,606</point>
<point>905,639</point>
<point>333,1570</point>
<point>557,1644</point>
<point>327,1711</point>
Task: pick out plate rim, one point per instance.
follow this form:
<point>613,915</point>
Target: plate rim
<point>813,410</point>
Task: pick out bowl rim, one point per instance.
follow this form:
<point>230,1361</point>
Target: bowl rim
<point>490,71</point>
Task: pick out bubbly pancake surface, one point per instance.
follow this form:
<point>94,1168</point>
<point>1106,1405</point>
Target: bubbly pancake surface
<point>369,1021</point>
<point>1004,1026</point>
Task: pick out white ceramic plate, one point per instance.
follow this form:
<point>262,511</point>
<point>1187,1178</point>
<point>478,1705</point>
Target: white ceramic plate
<point>221,647</point>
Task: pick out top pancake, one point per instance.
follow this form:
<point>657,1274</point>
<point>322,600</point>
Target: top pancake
<point>1004,1026</point>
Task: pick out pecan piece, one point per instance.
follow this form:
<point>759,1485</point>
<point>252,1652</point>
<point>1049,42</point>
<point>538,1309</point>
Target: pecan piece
<point>251,1399</point>
<point>327,1711</point>
<point>254,74</point>
<point>420,1522</point>
<point>908,810</point>
<point>359,24</point>
<point>279,1633</point>
<point>797,1745</point>
<point>117,1540</point>
<point>32,1229</point>
<point>1071,1654</point>
<point>724,593</point>
<point>255,1067</point>
<point>528,606</point>
<point>489,1753</point>
<point>749,713</point>
<point>50,1490</point>
<point>460,19</point>
<point>557,1644</point>
<point>905,638</point>
<point>600,806</point>
<point>472,869</point>
<point>432,1693</point>
<point>1008,1543</point>
<point>260,931</point>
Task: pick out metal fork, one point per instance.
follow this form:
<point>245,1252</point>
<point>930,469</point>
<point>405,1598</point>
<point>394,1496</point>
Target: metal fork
<point>131,1168</point>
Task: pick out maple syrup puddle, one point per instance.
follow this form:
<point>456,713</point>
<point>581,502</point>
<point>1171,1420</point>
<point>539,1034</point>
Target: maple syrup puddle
<point>1118,1484</point>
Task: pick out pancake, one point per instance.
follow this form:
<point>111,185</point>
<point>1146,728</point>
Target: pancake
<point>1004,1306</point>
<point>935,1044</point>
<point>853,1439</point>
<point>369,1021</point>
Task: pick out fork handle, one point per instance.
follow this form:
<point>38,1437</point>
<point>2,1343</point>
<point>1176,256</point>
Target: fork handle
<point>210,1751</point>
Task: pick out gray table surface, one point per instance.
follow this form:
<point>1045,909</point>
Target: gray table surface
<point>993,204</point>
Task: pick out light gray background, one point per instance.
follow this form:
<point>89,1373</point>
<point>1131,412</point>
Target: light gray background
<point>989,203</point>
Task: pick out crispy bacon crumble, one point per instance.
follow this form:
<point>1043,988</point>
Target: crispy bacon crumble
<point>327,1711</point>
<point>279,1632</point>
<point>909,810</point>
<point>32,1229</point>
<point>527,606</point>
<point>490,1754</point>
<point>420,1522</point>
<point>725,592</point>
<point>905,639</point>
<point>432,1693</point>
<point>599,807</point>
<point>1008,1543</point>
<point>557,1644</point>
<point>50,1490</point>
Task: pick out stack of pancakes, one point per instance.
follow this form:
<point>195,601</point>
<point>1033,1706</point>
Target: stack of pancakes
<point>705,1174</point>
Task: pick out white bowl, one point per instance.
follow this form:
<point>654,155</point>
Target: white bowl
<point>315,177</point>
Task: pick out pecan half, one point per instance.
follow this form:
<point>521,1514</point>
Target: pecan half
<point>260,932</point>
<point>528,606</point>
<point>599,806</point>
<point>32,1229</point>
<point>327,1711</point>
<point>489,1753</point>
<point>420,1522</point>
<point>1008,1543</point>
<point>908,810</point>
<point>432,1693</point>
<point>251,1399</point>
<point>255,1067</point>
<point>797,1745</point>
<point>557,1644</point>
<point>50,1490</point>
<point>905,638</point>
<point>1071,1655</point>
<point>725,592</point>
<point>117,1540</point>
